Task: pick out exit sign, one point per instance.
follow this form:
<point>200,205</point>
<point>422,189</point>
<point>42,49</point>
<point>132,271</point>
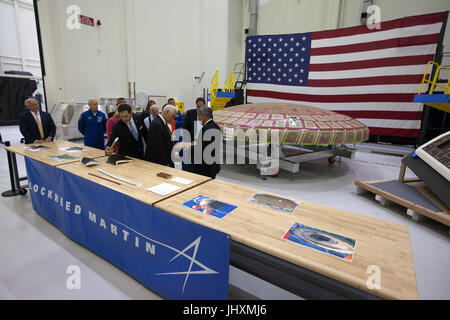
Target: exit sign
<point>86,20</point>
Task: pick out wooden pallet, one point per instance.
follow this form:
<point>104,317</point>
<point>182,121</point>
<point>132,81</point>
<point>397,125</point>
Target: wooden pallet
<point>414,202</point>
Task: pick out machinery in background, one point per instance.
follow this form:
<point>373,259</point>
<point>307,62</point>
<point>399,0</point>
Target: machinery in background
<point>428,194</point>
<point>66,115</point>
<point>66,118</point>
<point>109,104</point>
<point>434,166</point>
<point>160,100</point>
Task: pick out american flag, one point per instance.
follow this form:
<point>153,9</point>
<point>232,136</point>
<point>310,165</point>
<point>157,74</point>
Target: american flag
<point>370,75</point>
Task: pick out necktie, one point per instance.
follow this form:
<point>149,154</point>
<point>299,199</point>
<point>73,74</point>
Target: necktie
<point>133,131</point>
<point>39,124</point>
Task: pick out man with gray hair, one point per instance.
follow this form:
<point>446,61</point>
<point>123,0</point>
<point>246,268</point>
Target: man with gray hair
<point>35,125</point>
<point>153,113</point>
<point>159,148</point>
<point>209,142</point>
<point>92,124</point>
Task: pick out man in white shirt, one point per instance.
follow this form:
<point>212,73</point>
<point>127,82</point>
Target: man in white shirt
<point>154,112</point>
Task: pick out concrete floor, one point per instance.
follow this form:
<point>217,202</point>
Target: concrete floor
<point>34,255</point>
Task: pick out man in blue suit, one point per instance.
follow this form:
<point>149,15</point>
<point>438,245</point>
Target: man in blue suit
<point>36,126</point>
<point>92,125</point>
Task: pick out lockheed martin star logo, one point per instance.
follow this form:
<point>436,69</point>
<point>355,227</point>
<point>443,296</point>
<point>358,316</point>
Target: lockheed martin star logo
<point>195,244</point>
<point>205,270</point>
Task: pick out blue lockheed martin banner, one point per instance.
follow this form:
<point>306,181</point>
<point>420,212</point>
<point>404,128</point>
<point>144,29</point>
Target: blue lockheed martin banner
<point>176,258</point>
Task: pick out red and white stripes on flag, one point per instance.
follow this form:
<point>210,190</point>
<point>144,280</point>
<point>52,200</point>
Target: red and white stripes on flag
<point>370,75</point>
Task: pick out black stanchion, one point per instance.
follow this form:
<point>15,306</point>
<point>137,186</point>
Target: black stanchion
<point>16,189</point>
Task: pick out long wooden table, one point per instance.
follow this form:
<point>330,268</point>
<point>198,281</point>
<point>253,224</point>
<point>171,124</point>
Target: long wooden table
<point>379,243</point>
<point>44,157</point>
<point>138,171</point>
<point>55,149</point>
<point>256,231</point>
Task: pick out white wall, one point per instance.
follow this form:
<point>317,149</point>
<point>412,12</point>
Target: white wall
<point>167,46</point>
<point>294,16</point>
<point>236,34</point>
<point>161,45</point>
<point>177,40</point>
<point>83,63</point>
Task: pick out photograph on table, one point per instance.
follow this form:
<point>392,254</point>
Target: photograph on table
<point>72,149</point>
<point>63,157</point>
<point>37,148</point>
<point>323,241</point>
<point>274,202</point>
<point>210,206</point>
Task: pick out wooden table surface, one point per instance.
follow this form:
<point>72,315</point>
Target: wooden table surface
<point>378,243</point>
<point>139,171</point>
<point>55,146</point>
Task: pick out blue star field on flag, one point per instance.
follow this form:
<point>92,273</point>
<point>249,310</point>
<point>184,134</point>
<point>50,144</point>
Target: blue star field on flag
<point>279,59</point>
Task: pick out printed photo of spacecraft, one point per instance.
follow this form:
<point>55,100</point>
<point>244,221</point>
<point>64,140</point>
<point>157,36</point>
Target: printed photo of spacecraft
<point>210,206</point>
<point>323,241</point>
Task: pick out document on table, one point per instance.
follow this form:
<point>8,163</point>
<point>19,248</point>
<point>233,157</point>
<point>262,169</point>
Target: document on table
<point>181,181</point>
<point>72,149</point>
<point>164,189</point>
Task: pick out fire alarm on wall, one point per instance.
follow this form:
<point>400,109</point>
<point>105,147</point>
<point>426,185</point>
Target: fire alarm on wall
<point>99,23</point>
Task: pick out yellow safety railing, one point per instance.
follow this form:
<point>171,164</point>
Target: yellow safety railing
<point>214,88</point>
<point>435,79</point>
<point>229,84</point>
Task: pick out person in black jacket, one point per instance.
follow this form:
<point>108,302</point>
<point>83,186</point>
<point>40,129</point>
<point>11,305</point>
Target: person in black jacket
<point>193,126</point>
<point>129,131</point>
<point>209,142</point>
<point>36,126</point>
<point>152,114</point>
<point>160,144</point>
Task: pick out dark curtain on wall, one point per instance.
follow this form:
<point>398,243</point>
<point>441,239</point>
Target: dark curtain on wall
<point>13,93</point>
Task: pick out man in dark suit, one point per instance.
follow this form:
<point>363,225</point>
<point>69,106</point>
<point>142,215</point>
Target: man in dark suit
<point>147,111</point>
<point>209,143</point>
<point>193,126</point>
<point>191,122</point>
<point>160,144</point>
<point>129,131</point>
<point>153,113</point>
<point>36,126</point>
